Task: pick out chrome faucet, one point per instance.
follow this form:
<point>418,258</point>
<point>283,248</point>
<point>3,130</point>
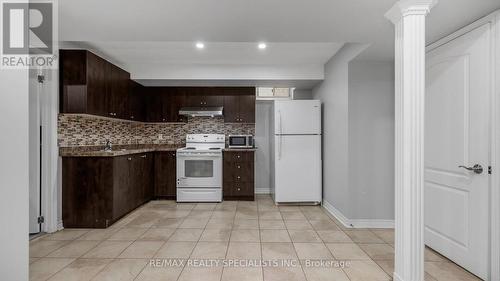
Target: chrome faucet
<point>108,146</point>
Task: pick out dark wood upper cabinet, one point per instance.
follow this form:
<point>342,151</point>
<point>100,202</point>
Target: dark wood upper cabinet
<point>89,84</point>
<point>239,108</point>
<point>247,108</point>
<point>175,98</point>
<point>117,92</point>
<point>231,109</point>
<point>157,105</point>
<point>136,102</point>
<point>204,96</point>
<point>96,85</point>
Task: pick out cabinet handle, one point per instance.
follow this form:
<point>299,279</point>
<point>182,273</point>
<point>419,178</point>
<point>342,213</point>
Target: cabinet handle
<point>131,117</point>
<point>239,189</point>
<point>143,156</point>
<point>239,167</point>
<point>237,156</point>
<point>173,154</point>
<point>238,177</point>
<point>129,159</point>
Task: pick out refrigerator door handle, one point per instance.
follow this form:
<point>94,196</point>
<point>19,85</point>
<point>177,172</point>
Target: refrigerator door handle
<point>281,136</point>
<point>281,126</point>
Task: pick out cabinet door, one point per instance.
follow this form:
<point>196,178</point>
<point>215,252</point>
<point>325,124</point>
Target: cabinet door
<point>136,102</point>
<point>247,109</point>
<point>121,93</point>
<point>137,189</point>
<point>165,174</point>
<point>116,91</point>
<point>146,177</point>
<point>231,109</point>
<point>111,78</point>
<point>87,192</point>
<point>194,97</point>
<point>154,105</point>
<point>176,100</point>
<point>97,77</point>
<point>172,175</point>
<point>121,186</point>
<point>214,100</point>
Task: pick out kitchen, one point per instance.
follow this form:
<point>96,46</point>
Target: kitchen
<point>134,143</point>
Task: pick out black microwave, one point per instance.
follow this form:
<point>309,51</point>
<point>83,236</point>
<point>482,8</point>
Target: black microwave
<point>241,141</point>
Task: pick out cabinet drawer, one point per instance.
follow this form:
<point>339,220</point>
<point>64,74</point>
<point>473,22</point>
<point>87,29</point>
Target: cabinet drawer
<point>238,189</point>
<point>239,172</point>
<point>238,156</point>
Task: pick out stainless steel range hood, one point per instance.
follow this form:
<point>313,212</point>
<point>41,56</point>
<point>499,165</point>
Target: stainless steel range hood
<point>201,111</point>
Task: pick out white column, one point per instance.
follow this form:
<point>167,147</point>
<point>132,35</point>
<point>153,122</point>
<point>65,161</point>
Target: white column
<point>408,17</point>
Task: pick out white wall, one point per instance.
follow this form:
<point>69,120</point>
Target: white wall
<point>371,140</point>
<point>14,176</point>
<point>302,94</point>
<point>358,139</point>
<point>262,141</point>
<point>333,92</point>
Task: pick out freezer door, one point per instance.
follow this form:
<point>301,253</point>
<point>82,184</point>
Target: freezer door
<point>297,117</point>
<point>298,168</point>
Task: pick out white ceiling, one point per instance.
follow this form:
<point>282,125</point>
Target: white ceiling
<point>308,32</point>
<point>232,53</point>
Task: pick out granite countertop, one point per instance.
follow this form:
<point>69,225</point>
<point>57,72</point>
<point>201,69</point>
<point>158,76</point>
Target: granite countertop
<point>241,149</point>
<point>118,150</point>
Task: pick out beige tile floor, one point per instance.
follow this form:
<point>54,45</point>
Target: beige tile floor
<point>164,230</point>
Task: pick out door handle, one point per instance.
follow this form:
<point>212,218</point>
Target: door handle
<point>478,169</point>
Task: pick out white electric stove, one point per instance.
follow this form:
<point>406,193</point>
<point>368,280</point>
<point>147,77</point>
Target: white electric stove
<point>199,168</point>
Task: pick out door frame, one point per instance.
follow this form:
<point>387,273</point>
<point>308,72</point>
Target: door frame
<point>493,20</point>
<point>50,172</point>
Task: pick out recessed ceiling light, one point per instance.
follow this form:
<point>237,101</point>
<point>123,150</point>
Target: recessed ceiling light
<point>262,46</point>
<point>200,45</point>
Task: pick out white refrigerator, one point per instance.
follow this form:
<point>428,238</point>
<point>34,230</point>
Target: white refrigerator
<point>296,165</point>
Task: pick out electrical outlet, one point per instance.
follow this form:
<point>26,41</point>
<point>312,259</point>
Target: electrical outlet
<point>160,136</point>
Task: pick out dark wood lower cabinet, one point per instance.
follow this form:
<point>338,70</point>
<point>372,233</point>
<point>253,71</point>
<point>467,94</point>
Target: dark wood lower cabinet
<point>165,175</point>
<point>239,183</point>
<point>97,191</point>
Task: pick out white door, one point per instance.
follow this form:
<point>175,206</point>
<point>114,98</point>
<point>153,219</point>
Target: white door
<point>298,168</point>
<point>457,133</point>
<point>297,117</point>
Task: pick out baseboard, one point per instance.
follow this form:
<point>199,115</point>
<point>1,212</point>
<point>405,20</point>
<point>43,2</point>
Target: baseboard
<point>262,190</point>
<point>356,223</point>
<point>336,214</point>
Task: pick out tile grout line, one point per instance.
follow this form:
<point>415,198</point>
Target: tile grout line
<point>229,239</point>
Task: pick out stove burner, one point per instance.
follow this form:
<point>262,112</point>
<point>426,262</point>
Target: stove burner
<point>190,148</point>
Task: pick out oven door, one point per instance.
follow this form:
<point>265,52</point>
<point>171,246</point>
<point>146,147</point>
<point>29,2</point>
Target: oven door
<point>199,170</point>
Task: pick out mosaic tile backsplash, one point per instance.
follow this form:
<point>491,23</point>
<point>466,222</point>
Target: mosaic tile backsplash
<point>81,130</point>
